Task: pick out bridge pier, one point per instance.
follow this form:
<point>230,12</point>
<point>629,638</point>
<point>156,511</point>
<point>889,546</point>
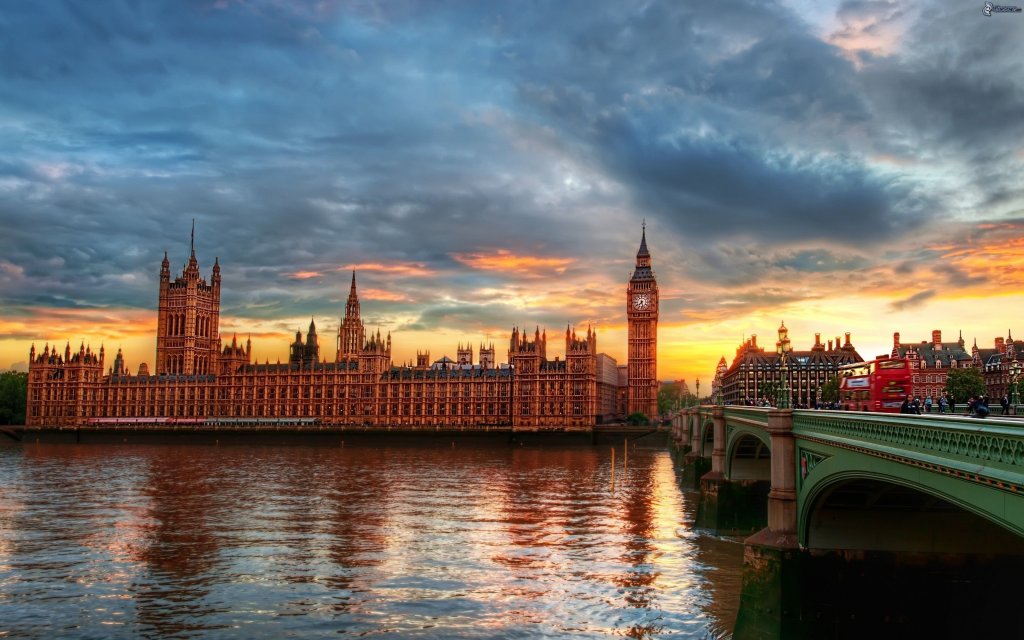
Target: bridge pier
<point>772,560</point>
<point>726,506</point>
<point>693,465</point>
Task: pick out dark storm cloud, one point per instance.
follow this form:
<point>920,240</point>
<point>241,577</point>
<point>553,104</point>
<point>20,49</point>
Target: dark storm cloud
<point>955,98</point>
<point>701,119</point>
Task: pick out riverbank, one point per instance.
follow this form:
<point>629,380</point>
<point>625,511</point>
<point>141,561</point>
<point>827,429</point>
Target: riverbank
<point>338,436</point>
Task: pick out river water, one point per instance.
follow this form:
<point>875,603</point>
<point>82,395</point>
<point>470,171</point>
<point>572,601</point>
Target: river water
<point>384,542</point>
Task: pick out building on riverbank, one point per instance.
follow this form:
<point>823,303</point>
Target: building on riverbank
<point>804,372</point>
<point>198,378</point>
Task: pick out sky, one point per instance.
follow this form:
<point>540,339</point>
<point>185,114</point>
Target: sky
<point>842,167</point>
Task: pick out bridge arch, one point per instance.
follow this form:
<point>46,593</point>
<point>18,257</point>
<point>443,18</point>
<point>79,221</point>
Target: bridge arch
<point>707,438</point>
<point>892,510</point>
<point>748,454</point>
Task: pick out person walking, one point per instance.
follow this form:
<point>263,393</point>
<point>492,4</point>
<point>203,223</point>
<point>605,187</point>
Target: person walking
<point>981,408</point>
<point>1005,402</point>
<point>928,404</point>
<point>943,404</point>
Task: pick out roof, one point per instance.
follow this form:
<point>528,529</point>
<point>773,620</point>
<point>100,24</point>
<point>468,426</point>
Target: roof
<point>927,351</point>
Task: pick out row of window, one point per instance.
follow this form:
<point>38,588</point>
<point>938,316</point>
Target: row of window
<point>457,410</point>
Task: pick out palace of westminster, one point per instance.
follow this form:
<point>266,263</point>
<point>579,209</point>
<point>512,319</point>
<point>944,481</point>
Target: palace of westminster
<point>196,377</point>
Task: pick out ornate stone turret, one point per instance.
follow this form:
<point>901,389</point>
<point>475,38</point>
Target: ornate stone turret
<point>188,319</point>
<point>487,360</point>
<point>351,334</point>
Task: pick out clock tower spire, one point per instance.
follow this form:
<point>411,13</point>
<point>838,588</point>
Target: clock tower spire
<point>642,319</point>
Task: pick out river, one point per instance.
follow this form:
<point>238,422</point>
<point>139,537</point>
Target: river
<point>489,541</point>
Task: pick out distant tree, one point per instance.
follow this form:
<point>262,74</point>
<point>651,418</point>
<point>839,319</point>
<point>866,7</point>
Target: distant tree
<point>961,384</point>
<point>637,418</point>
<point>830,390</point>
<point>768,390</point>
<point>688,400</point>
<point>668,398</point>
<point>13,394</point>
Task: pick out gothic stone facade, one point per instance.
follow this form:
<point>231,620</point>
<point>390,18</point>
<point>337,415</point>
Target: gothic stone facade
<point>198,378</point>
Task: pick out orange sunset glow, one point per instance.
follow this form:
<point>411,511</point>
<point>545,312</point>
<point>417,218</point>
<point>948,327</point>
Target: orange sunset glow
<point>868,302</point>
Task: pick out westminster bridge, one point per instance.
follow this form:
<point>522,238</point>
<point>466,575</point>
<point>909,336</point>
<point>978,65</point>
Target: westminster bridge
<point>848,504</point>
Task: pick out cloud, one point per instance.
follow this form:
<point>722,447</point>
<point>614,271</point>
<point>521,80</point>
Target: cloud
<point>912,301</point>
<point>505,261</point>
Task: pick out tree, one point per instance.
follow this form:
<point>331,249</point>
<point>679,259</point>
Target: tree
<point>637,418</point>
<point>668,398</point>
<point>769,390</point>
<point>13,394</point>
<point>961,384</point>
<point>830,390</point>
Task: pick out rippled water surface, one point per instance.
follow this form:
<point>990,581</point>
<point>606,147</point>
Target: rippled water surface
<point>420,542</point>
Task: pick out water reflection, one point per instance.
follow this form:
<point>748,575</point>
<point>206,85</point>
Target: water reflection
<point>431,542</point>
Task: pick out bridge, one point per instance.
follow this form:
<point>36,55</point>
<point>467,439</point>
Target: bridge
<point>941,490</point>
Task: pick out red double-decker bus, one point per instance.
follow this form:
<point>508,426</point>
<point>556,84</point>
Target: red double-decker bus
<point>875,385</point>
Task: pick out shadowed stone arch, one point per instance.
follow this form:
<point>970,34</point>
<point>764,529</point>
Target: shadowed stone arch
<point>707,438</point>
<point>748,457</point>
<point>876,511</point>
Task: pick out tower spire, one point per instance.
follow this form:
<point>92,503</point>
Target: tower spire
<point>193,237</point>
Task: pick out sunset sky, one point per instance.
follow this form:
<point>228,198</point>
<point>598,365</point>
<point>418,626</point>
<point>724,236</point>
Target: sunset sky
<point>852,166</point>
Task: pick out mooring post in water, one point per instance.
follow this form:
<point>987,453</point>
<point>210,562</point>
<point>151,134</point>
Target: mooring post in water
<point>625,453</point>
<point>613,468</point>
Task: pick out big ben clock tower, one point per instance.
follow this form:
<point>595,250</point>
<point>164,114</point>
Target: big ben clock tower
<point>642,317</point>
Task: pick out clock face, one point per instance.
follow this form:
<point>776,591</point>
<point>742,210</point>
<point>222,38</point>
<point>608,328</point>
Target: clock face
<point>641,301</point>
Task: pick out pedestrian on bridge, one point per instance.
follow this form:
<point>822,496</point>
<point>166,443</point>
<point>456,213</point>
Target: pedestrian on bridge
<point>907,406</point>
<point>943,404</point>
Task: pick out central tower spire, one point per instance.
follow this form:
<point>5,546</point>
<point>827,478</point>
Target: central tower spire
<point>351,332</point>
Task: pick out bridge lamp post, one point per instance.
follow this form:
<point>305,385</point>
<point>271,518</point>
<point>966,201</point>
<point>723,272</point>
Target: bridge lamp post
<point>783,399</point>
<point>1014,392</point>
<point>698,392</point>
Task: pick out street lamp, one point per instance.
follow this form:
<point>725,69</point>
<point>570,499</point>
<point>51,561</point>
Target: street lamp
<point>1014,391</point>
<point>783,397</point>
<point>698,392</point>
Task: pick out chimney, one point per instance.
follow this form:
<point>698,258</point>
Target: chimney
<point>896,340</point>
<point>1000,345</point>
<point>936,338</point>
<point>830,345</point>
<point>753,340</point>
